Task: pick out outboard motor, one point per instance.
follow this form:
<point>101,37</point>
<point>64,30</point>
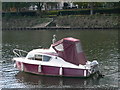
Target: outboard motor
<point>94,63</point>
<point>94,66</point>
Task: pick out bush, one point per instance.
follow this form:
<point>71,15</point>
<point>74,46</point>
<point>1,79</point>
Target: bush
<point>55,12</point>
<point>87,11</point>
<point>27,13</point>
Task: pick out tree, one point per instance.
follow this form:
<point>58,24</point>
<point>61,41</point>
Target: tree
<point>17,5</point>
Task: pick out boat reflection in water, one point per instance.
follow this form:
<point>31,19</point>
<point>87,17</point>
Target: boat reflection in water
<point>49,81</point>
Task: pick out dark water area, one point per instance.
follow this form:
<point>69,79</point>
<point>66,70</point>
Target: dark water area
<point>100,44</point>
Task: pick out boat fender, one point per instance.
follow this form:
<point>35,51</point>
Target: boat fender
<point>39,68</point>
<point>93,63</point>
<point>61,71</point>
<point>85,73</point>
<point>22,67</point>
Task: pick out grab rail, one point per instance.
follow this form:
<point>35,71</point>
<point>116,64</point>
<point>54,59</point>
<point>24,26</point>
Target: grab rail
<point>19,52</point>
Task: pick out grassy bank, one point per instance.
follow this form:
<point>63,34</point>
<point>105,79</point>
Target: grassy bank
<point>88,21</point>
<point>23,21</point>
<point>73,21</point>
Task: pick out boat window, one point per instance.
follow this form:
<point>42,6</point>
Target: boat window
<point>38,57</point>
<point>59,47</point>
<point>42,57</point>
<point>46,58</point>
<point>30,56</point>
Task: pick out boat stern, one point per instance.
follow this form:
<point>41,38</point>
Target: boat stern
<point>92,67</point>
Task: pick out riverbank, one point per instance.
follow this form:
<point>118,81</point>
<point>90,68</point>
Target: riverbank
<point>62,22</point>
<point>88,21</point>
<point>59,28</point>
<point>24,21</point>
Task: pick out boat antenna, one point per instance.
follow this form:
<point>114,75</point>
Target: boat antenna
<point>54,38</point>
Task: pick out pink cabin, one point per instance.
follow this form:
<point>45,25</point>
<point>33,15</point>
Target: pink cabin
<point>70,50</point>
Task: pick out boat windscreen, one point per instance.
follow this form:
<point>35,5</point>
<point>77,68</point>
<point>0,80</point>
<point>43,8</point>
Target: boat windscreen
<point>46,58</point>
<point>59,47</point>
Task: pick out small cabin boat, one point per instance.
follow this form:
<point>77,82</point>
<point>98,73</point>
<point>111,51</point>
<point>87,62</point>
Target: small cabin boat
<point>64,58</point>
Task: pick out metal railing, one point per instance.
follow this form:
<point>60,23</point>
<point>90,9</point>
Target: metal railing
<point>19,53</point>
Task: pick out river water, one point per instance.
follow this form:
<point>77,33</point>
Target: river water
<point>97,44</point>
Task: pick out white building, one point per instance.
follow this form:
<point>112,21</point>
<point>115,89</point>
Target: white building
<point>35,7</point>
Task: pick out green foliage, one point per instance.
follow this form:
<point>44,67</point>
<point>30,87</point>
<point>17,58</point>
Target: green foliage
<point>17,5</point>
<point>97,7</point>
<point>10,14</point>
<point>87,11</point>
<point>55,12</point>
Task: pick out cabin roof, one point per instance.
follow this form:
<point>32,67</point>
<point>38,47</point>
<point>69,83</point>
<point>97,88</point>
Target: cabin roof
<point>71,39</point>
<point>43,51</point>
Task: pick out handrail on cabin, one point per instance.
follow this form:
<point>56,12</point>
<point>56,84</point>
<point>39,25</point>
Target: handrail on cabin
<point>19,52</point>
